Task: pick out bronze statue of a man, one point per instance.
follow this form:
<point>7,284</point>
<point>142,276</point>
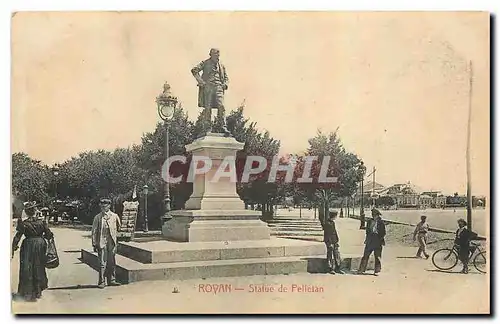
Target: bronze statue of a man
<point>212,84</point>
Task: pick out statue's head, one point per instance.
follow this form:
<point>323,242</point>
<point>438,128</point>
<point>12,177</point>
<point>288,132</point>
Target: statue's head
<point>214,54</point>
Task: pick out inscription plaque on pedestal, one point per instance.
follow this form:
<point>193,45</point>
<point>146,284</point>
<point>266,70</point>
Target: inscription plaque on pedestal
<point>128,219</point>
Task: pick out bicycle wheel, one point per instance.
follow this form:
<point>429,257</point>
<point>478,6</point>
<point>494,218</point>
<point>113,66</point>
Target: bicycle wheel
<point>444,259</point>
<point>480,262</point>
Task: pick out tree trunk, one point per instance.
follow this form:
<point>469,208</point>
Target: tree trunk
<point>347,206</point>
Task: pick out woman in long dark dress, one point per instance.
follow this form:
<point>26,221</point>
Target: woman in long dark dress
<point>32,275</point>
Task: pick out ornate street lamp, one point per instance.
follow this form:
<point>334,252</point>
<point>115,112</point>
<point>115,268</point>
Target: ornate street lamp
<point>145,192</point>
<point>166,104</point>
<point>55,172</point>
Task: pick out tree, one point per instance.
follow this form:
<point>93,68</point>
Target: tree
<point>324,198</point>
<point>258,189</point>
<point>95,174</point>
<point>343,164</point>
<point>30,178</point>
<point>384,201</point>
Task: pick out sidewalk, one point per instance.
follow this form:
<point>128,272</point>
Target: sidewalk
<point>406,285</point>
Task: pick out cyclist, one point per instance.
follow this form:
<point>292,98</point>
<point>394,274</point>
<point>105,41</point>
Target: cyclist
<point>463,238</point>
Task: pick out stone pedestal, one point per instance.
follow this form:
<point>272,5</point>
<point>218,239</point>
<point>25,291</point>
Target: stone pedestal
<point>209,193</point>
<point>215,212</point>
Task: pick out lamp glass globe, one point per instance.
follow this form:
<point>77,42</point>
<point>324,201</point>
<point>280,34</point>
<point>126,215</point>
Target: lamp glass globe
<point>167,111</point>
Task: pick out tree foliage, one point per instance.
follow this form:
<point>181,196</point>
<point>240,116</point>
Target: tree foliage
<point>95,174</point>
<point>345,166</point>
<point>258,189</point>
<point>30,178</point>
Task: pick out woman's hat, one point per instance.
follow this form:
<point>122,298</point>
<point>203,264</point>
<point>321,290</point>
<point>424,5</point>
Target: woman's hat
<point>29,208</point>
<point>376,212</point>
<point>29,205</point>
<point>461,220</point>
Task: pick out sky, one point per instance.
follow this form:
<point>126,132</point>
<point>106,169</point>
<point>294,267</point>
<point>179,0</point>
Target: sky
<point>395,84</point>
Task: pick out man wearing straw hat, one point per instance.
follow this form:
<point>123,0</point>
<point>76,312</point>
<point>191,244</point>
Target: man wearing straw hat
<point>104,240</point>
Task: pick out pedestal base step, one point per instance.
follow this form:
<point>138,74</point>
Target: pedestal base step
<point>128,271</point>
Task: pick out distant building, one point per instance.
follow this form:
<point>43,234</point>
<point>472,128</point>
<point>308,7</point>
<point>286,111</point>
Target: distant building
<point>456,200</point>
<point>440,201</point>
<point>405,195</point>
<point>433,194</point>
<point>426,201</point>
<point>407,201</point>
<point>369,188</point>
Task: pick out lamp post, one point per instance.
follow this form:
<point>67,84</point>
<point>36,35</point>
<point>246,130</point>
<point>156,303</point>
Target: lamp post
<point>166,104</point>
<point>373,187</point>
<point>55,172</point>
<point>362,220</point>
<point>145,192</point>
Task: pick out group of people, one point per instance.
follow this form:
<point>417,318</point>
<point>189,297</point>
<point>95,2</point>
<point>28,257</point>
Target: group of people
<point>463,237</point>
<point>33,252</point>
<point>375,240</point>
<point>32,271</point>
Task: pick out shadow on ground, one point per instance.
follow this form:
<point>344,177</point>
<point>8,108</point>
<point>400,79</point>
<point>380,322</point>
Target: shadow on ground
<point>409,257</point>
<point>74,287</point>
<point>454,272</point>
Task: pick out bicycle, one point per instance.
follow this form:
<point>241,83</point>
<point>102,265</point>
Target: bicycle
<point>447,259</point>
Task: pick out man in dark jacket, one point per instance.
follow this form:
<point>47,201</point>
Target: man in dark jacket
<point>375,233</point>
<point>462,241</point>
<point>331,240</point>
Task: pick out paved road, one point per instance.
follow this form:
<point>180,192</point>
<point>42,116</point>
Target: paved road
<point>445,219</point>
<point>407,285</point>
